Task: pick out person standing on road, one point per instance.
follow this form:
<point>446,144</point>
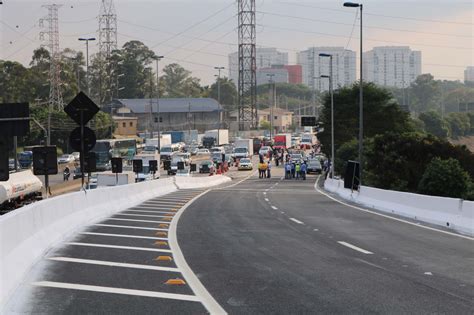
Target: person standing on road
<point>293,169</point>
<point>287,170</point>
<point>269,167</point>
<point>298,170</point>
<point>303,170</point>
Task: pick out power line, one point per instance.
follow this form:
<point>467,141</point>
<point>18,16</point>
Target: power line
<point>372,27</point>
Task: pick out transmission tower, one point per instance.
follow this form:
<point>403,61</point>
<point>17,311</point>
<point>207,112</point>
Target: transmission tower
<point>247,65</point>
<point>107,44</point>
<point>52,31</point>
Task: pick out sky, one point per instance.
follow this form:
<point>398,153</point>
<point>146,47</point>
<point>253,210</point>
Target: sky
<point>200,34</point>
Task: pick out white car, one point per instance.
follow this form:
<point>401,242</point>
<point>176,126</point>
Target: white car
<point>245,164</point>
<point>203,152</point>
<point>65,159</point>
<point>264,151</point>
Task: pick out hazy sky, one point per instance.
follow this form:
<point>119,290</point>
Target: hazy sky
<point>199,34</point>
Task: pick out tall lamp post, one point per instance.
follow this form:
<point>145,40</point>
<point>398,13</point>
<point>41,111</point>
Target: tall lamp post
<point>272,104</point>
<point>218,100</point>
<point>361,99</point>
<point>158,58</point>
<point>331,92</point>
<point>87,60</point>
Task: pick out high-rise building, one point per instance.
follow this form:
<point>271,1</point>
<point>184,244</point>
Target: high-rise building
<point>313,66</point>
<point>266,57</point>
<point>395,66</point>
<point>469,74</point>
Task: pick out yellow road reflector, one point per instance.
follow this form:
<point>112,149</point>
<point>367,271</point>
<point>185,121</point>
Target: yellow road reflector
<point>168,218</point>
<point>160,233</point>
<point>163,225</point>
<point>175,282</point>
<point>164,258</point>
<point>169,214</point>
<point>161,243</point>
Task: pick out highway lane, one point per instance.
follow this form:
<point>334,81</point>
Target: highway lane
<point>273,246</point>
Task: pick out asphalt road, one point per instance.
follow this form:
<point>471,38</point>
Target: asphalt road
<point>259,246</point>
<point>273,246</point>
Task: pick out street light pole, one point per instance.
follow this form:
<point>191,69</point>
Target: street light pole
<point>331,92</point>
<point>272,93</point>
<point>158,58</point>
<point>219,99</point>
<point>87,61</point>
<point>361,92</point>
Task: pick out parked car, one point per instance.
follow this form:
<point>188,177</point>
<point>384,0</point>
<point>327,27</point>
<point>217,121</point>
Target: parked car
<point>206,166</point>
<point>264,150</point>
<point>11,164</point>
<point>65,159</point>
<point>203,152</point>
<point>245,164</point>
<point>314,166</point>
<point>77,173</point>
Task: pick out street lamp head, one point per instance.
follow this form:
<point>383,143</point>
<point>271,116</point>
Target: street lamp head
<point>325,55</point>
<point>325,76</point>
<point>219,68</point>
<point>352,5</point>
<point>86,39</point>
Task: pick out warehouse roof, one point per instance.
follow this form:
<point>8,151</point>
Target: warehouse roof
<point>170,105</point>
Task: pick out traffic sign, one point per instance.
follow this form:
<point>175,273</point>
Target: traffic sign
<point>45,160</point>
<point>89,139</point>
<point>14,119</point>
<point>81,104</point>
<point>308,121</point>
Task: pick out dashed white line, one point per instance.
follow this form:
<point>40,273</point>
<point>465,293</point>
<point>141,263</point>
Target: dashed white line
<point>126,235</point>
<point>266,199</point>
<point>113,264</point>
<point>142,215</point>
<point>94,288</point>
<point>315,230</point>
<point>146,249</point>
<point>296,221</point>
<point>130,227</point>
<point>264,192</point>
<point>355,248</point>
<point>274,208</point>
<point>149,211</point>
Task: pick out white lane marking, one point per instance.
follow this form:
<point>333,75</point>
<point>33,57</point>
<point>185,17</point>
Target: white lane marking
<point>132,220</point>
<point>315,230</point>
<point>264,192</point>
<point>149,211</point>
<point>193,281</point>
<point>146,249</point>
<point>276,184</point>
<point>296,221</point>
<point>126,235</point>
<point>130,227</point>
<point>151,208</point>
<point>387,216</point>
<point>355,248</point>
<point>163,202</point>
<point>428,273</point>
<point>94,288</point>
<point>266,199</point>
<point>112,264</point>
<point>143,215</point>
<point>274,208</point>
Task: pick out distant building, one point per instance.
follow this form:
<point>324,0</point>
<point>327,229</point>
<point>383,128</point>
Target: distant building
<point>469,74</point>
<point>394,66</point>
<point>282,119</point>
<point>265,58</point>
<point>344,66</point>
<point>278,75</point>
<point>174,113</point>
<point>125,126</point>
<point>295,74</point>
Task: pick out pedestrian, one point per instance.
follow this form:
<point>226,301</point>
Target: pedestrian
<point>264,169</point>
<point>303,170</point>
<point>66,174</point>
<point>298,170</point>
<point>287,170</point>
<point>260,169</point>
<point>269,167</point>
<point>293,170</point>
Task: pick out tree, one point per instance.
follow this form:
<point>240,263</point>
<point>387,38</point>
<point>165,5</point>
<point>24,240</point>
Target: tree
<point>178,82</point>
<point>265,125</point>
<point>459,124</point>
<point>444,178</point>
<point>14,82</point>
<point>228,93</point>
<point>425,92</point>
<point>347,151</point>
<point>381,114</point>
<point>434,124</point>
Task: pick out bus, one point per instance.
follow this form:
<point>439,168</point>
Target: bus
<point>106,149</point>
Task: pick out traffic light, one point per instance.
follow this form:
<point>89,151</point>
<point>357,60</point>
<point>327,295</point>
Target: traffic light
<point>137,166</point>
<point>153,165</point>
<point>4,171</point>
<point>45,160</point>
<point>116,165</point>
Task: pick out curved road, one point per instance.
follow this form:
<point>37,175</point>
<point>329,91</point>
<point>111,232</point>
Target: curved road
<point>268,246</point>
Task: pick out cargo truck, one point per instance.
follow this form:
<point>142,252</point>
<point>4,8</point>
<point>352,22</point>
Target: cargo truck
<point>165,139</point>
<point>282,141</point>
<point>308,140</point>
<point>243,148</point>
<point>110,179</point>
<point>216,137</point>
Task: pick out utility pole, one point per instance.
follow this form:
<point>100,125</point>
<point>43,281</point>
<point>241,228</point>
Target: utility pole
<point>158,58</point>
<point>87,62</point>
<point>218,100</point>
<point>271,100</point>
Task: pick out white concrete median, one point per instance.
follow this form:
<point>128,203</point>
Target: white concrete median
<point>451,213</point>
<point>27,233</point>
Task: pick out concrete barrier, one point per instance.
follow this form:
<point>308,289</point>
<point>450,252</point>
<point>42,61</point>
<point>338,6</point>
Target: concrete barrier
<point>27,233</point>
<point>451,213</point>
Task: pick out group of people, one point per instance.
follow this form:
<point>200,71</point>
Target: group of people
<point>264,169</point>
<point>295,170</point>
